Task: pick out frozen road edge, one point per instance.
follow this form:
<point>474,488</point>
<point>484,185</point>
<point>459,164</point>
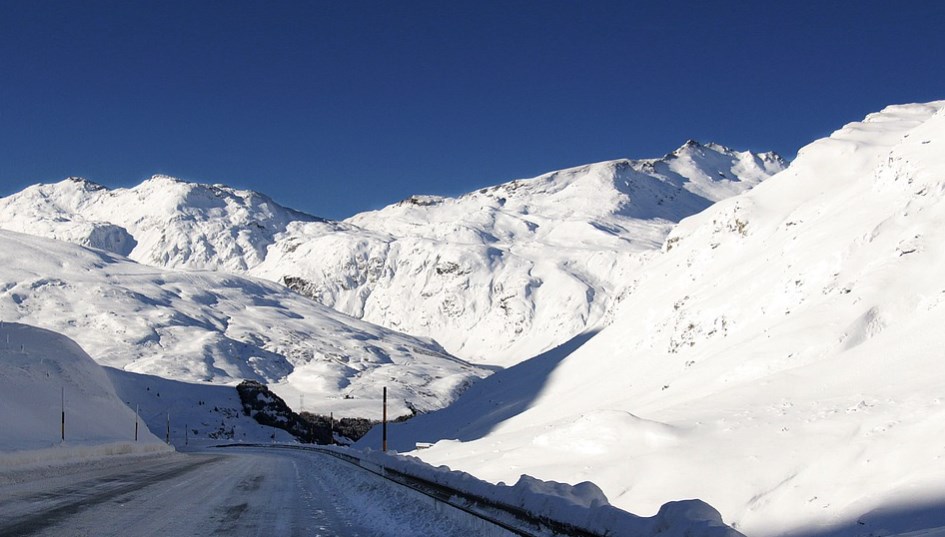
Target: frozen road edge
<point>531,507</point>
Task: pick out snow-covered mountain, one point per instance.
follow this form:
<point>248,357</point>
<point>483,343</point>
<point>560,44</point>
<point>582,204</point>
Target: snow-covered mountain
<point>781,358</point>
<point>504,273</point>
<point>221,328</point>
<point>163,222</point>
<point>495,276</point>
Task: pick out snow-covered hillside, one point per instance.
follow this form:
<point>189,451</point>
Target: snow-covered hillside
<point>209,327</point>
<point>195,414</point>
<point>44,373</point>
<point>781,359</point>
<point>501,274</point>
<point>163,222</point>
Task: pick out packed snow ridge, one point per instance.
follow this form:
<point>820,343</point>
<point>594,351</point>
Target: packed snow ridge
<point>780,358</point>
<point>57,402</point>
<point>495,276</point>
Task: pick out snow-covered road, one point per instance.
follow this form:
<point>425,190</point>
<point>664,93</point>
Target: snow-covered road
<point>249,492</point>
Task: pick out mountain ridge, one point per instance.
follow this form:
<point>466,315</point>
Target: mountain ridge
<point>494,241</point>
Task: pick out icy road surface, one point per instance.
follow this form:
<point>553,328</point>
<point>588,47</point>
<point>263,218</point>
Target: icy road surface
<point>233,493</point>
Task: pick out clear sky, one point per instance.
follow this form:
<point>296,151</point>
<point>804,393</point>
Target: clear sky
<point>339,107</point>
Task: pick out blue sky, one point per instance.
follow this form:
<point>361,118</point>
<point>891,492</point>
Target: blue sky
<point>335,108</point>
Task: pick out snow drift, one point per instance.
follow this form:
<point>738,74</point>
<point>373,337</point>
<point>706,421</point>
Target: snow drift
<point>42,373</point>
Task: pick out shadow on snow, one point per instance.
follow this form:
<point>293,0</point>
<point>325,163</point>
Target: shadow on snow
<point>483,406</point>
<point>917,519</point>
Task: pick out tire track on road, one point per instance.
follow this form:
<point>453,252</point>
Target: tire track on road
<point>102,490</point>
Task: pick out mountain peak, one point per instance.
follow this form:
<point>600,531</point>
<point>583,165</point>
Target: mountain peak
<point>421,200</point>
<point>83,183</point>
<point>168,222</point>
<point>168,178</point>
<point>694,146</point>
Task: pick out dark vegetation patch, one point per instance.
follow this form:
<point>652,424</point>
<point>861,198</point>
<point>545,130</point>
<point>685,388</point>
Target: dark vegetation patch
<point>269,409</point>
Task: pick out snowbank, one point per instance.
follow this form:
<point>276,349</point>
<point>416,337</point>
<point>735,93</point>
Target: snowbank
<point>34,464</point>
<point>58,404</point>
<point>583,506</point>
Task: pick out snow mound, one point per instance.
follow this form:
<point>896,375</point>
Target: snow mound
<point>583,506</point>
<point>42,373</point>
<point>597,432</point>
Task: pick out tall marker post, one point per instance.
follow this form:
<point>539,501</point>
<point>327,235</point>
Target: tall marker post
<point>384,428</point>
<point>136,423</point>
<point>62,426</point>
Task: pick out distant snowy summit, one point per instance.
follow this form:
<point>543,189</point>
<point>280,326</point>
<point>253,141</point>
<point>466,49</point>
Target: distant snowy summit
<point>670,188</point>
<point>163,221</point>
<point>496,275</point>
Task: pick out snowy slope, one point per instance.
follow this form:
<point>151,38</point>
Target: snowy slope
<point>196,414</point>
<point>208,327</point>
<point>43,372</point>
<point>163,221</point>
<point>501,274</point>
<point>780,360</point>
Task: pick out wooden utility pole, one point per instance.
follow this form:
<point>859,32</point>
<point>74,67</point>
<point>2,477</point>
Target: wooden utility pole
<point>384,427</point>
